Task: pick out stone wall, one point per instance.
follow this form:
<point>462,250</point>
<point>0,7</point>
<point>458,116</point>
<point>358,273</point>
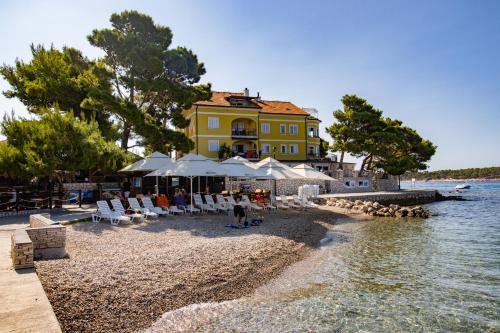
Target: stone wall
<point>391,184</point>
<point>286,186</point>
<point>21,249</point>
<point>339,186</point>
<point>44,239</point>
<point>48,237</point>
<point>404,198</point>
<point>88,186</point>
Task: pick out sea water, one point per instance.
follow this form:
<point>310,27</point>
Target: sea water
<point>440,274</point>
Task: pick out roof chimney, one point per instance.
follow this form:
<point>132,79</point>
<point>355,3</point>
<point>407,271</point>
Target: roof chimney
<point>246,92</point>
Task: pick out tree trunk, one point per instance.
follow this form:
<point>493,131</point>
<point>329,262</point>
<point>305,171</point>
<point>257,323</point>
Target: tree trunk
<point>369,167</point>
<point>125,136</point>
<point>341,162</point>
<point>363,165</point>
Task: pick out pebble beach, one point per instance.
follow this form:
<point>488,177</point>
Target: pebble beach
<point>124,278</point>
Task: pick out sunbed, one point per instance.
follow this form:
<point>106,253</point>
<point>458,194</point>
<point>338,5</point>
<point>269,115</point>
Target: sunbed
<point>136,206</point>
<point>148,203</point>
<point>105,212</point>
<point>118,207</point>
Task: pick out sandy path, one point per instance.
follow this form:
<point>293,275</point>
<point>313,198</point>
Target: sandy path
<point>124,278</point>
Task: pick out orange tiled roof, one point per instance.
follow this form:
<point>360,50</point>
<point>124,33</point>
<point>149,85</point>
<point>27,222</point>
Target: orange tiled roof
<point>279,107</point>
<point>220,98</point>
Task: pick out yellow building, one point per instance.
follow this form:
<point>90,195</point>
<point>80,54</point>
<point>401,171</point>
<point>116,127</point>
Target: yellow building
<point>253,128</point>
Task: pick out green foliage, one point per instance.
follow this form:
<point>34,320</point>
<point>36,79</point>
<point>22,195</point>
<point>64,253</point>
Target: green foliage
<point>382,142</point>
<point>152,83</point>
<point>65,78</point>
<point>471,173</point>
<point>225,152</point>
<point>55,142</point>
<point>324,147</point>
<point>10,159</point>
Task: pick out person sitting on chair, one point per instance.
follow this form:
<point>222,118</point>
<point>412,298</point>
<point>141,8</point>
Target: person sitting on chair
<point>179,199</point>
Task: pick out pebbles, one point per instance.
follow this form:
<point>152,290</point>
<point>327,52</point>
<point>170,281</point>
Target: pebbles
<point>124,278</point>
<point>376,209</point>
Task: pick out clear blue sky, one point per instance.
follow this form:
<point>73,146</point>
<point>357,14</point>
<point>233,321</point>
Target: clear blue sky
<point>433,64</point>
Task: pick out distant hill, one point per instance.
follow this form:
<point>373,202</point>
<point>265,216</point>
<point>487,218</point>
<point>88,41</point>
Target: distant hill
<point>472,173</point>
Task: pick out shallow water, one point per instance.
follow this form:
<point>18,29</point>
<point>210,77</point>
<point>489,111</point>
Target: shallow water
<point>441,274</point>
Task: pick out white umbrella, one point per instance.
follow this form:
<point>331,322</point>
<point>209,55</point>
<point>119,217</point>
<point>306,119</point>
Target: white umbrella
<point>240,167</point>
<point>309,172</point>
<point>191,166</point>
<point>152,162</point>
<point>277,170</point>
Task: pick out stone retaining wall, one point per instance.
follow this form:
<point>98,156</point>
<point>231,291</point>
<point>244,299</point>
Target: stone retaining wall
<point>21,249</point>
<point>44,239</point>
<point>416,197</point>
<point>286,187</point>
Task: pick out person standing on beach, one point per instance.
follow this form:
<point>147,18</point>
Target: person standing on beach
<point>239,212</point>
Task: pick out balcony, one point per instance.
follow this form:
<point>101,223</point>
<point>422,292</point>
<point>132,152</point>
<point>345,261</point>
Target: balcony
<point>243,133</point>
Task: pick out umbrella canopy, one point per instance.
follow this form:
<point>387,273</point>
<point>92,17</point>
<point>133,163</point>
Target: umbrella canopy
<point>308,172</point>
<point>240,167</point>
<point>152,162</point>
<point>191,165</point>
<point>277,170</point>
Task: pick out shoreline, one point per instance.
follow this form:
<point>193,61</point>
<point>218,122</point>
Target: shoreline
<point>103,286</point>
<point>294,281</point>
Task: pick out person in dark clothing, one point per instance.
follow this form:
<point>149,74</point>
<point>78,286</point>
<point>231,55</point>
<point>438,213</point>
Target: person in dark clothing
<point>239,212</point>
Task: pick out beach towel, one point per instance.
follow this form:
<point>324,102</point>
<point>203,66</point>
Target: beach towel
<point>237,226</point>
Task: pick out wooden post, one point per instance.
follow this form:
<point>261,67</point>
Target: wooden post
<point>50,195</point>
<point>80,198</point>
<point>17,200</point>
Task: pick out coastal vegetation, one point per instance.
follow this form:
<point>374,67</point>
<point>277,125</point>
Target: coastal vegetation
<point>82,107</point>
<point>470,173</point>
<point>382,143</point>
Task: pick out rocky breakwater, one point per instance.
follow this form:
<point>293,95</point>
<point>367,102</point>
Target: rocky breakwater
<point>376,209</point>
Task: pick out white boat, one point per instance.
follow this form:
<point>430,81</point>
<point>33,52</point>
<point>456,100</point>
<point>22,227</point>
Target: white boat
<point>462,187</point>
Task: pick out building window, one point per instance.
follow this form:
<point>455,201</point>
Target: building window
<point>294,149</point>
<point>136,181</point>
<point>363,183</point>
<point>283,149</point>
<point>213,122</point>
<point>266,148</point>
<point>294,129</point>
<point>311,132</point>
<point>265,128</point>
<point>349,183</point>
<point>282,129</point>
<point>213,145</point>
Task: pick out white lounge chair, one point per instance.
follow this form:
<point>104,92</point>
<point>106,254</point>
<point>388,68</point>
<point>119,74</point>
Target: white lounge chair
<point>148,204</point>
<point>279,204</point>
<point>198,202</point>
<point>284,200</point>
<point>245,199</point>
<point>118,207</point>
<point>308,203</point>
<point>173,209</point>
<point>191,209</point>
<point>105,212</point>
<point>223,202</point>
<point>298,202</point>
<point>210,201</point>
<point>135,205</point>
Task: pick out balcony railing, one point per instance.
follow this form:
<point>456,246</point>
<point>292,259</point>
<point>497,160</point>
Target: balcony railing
<point>243,133</point>
<point>250,155</point>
